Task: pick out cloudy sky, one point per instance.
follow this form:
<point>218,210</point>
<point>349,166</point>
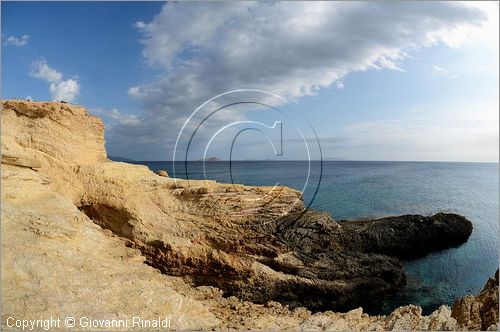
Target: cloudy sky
<point>376,81</point>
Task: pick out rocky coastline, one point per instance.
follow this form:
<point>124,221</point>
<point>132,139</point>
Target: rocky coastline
<point>85,236</point>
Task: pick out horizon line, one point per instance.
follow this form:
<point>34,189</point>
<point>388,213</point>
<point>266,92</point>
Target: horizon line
<point>315,160</point>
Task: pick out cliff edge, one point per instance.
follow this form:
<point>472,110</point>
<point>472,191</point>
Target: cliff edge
<point>85,236</point>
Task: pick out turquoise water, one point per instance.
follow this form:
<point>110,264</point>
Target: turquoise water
<point>350,189</point>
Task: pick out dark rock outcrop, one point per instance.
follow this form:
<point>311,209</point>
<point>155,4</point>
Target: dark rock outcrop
<point>341,265</point>
<point>407,236</point>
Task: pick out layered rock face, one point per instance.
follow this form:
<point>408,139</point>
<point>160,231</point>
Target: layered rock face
<point>84,236</point>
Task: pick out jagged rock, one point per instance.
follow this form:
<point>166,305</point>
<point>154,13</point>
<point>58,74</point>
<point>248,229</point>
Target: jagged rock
<point>75,224</point>
<point>409,318</point>
<point>479,312</point>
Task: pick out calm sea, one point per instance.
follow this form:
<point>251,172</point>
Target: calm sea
<point>359,189</point>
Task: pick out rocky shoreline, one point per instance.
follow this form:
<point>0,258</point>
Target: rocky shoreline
<point>82,235</point>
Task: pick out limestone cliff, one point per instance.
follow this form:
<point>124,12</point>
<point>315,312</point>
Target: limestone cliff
<point>84,236</point>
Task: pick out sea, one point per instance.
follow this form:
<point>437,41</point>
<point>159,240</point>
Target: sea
<point>371,189</point>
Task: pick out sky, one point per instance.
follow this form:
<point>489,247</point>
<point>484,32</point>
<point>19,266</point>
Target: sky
<point>369,80</point>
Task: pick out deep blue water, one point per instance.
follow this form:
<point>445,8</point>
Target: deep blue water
<point>358,189</point>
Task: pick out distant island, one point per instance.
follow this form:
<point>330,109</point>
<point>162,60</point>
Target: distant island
<point>211,159</point>
<point>335,159</point>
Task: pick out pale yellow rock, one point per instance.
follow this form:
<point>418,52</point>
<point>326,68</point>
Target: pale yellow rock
<point>163,173</point>
<point>479,312</point>
<point>62,131</point>
<point>56,262</point>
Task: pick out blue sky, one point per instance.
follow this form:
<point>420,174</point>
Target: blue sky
<point>377,81</point>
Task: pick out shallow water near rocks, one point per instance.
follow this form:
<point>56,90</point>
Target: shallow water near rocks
<point>363,189</point>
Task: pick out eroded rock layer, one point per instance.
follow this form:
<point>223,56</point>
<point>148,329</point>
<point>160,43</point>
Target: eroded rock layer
<point>82,235</point>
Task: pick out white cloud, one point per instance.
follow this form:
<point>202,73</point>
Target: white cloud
<point>64,90</point>
<point>290,48</point>
<point>40,69</point>
<point>139,25</point>
<point>135,91</point>
<point>118,116</point>
<point>438,69</point>
<point>339,84</point>
<point>470,135</point>
<point>15,41</point>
